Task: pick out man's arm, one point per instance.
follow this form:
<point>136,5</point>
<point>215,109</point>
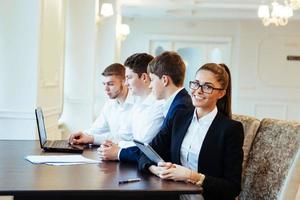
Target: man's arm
<point>130,154</point>
<point>152,125</point>
<point>108,150</point>
<point>100,128</point>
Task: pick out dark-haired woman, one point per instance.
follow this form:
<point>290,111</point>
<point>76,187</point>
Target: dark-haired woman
<point>203,146</point>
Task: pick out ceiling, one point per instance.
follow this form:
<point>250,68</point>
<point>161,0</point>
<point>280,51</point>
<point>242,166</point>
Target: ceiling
<point>194,9</point>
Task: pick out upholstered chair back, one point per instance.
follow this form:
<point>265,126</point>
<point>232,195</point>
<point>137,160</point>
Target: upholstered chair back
<point>272,155</point>
<point>250,125</point>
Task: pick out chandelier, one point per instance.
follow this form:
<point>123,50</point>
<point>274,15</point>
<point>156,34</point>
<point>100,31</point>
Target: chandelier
<point>295,4</point>
<point>277,15</point>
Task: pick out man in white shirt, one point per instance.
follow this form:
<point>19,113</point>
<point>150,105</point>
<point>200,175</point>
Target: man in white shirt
<point>114,121</point>
<point>147,114</point>
<point>167,72</point>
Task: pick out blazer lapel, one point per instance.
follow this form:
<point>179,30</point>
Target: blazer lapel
<point>208,141</point>
<point>176,100</point>
<point>180,132</point>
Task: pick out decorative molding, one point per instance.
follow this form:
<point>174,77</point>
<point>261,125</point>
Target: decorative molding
<point>17,114</point>
<point>78,101</point>
<point>250,97</point>
<point>247,87</point>
<point>52,111</point>
<point>194,9</point>
<point>282,108</point>
<point>26,114</point>
<point>48,84</point>
<point>187,38</point>
<point>259,57</point>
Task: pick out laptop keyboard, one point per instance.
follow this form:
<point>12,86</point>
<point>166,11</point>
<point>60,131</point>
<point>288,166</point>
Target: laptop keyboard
<point>60,144</point>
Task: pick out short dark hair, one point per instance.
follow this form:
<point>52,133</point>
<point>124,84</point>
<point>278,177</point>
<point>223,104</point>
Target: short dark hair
<point>138,62</point>
<point>115,69</point>
<point>168,63</point>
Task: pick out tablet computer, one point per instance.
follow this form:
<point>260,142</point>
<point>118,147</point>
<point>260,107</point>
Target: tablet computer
<point>148,151</point>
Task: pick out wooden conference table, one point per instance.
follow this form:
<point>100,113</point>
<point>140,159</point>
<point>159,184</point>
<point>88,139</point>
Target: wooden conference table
<point>25,180</point>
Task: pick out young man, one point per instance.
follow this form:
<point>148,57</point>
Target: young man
<point>167,72</point>
<point>115,115</point>
<point>147,115</point>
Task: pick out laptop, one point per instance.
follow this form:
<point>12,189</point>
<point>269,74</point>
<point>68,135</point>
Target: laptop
<point>54,145</point>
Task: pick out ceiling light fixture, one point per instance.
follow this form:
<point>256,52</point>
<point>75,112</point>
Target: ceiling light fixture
<point>123,31</point>
<point>106,10</point>
<point>295,4</point>
<point>277,15</point>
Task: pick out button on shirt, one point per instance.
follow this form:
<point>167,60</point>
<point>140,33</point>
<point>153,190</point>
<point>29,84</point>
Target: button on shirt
<point>192,142</point>
<point>114,121</point>
<point>147,118</point>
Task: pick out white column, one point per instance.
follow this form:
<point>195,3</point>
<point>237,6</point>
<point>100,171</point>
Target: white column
<point>107,50</point>
<point>79,64</point>
<point>51,64</point>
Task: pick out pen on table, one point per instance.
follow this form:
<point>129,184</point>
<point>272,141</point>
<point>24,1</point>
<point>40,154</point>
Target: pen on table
<point>131,180</point>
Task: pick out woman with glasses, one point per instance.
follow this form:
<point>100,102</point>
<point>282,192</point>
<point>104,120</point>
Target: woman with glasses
<point>203,146</point>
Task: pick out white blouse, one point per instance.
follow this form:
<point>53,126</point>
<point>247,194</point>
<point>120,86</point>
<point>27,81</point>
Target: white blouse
<point>192,142</point>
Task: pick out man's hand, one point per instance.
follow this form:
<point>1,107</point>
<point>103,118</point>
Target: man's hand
<point>108,150</point>
<point>176,172</point>
<point>80,138</point>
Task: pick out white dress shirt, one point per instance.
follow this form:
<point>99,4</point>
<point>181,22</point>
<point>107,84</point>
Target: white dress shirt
<point>169,101</point>
<point>192,143</point>
<point>114,121</point>
<point>147,118</point>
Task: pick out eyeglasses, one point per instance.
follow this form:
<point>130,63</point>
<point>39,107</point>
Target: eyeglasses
<point>205,88</point>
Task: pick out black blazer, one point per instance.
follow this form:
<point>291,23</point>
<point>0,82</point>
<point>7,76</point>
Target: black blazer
<point>181,101</point>
<point>220,158</point>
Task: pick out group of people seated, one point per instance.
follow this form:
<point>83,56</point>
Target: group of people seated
<point>192,131</point>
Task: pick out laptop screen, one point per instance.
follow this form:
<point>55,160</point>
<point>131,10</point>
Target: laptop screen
<point>41,125</point>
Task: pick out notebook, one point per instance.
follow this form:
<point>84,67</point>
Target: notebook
<point>53,145</point>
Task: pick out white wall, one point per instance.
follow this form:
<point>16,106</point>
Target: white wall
<point>251,95</point>
<point>19,28</point>
<point>31,66</point>
<point>142,31</point>
<point>268,83</point>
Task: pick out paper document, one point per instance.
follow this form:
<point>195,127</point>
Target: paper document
<point>64,164</point>
<point>61,160</point>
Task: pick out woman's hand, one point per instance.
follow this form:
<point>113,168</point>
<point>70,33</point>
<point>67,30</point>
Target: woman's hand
<point>161,167</point>
<point>176,172</point>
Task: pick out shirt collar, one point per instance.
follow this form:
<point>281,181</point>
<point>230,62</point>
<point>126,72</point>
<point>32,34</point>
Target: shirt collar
<point>150,99</point>
<point>169,101</point>
<point>130,100</point>
<point>208,118</point>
